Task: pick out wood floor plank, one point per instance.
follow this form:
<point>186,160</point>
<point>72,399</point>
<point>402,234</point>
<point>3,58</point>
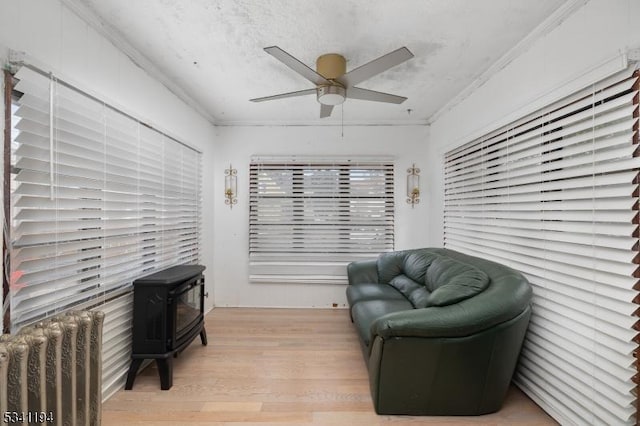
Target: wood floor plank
<point>232,406</point>
<point>277,367</point>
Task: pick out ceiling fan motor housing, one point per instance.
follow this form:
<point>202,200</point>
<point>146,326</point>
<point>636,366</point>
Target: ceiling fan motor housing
<point>331,66</point>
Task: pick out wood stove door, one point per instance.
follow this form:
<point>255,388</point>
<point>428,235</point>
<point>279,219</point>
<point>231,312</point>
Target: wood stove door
<point>187,301</point>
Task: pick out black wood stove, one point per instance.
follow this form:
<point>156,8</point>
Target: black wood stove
<point>168,313</point>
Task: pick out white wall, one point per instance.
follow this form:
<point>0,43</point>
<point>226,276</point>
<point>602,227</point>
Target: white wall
<point>237,144</point>
<point>53,35</point>
<point>581,50</point>
<point>570,55</point>
<point>58,39</point>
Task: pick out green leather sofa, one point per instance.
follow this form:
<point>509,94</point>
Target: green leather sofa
<point>440,331</point>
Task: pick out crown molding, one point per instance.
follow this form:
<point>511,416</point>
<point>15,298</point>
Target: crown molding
<point>549,24</point>
<point>90,16</point>
<point>311,123</point>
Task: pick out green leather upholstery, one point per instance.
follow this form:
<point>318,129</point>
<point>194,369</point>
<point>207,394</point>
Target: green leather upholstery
<point>451,281</point>
<point>441,331</point>
<point>367,312</point>
<point>370,291</point>
<point>364,271</point>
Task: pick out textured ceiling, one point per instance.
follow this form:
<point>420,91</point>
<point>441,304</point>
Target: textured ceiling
<point>212,49</point>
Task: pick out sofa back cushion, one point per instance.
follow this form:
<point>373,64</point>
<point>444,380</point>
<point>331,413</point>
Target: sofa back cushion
<point>415,292</point>
<point>412,263</point>
<point>405,271</point>
<point>449,281</point>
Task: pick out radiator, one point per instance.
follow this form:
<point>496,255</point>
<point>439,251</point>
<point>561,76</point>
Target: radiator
<point>50,372</point>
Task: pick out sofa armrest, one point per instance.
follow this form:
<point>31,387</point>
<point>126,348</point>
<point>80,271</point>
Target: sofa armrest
<point>435,322</point>
<point>423,322</point>
<point>363,271</point>
<point>454,375</point>
<point>507,297</point>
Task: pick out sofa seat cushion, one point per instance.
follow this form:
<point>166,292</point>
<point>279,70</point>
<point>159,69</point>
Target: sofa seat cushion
<point>370,291</point>
<point>451,281</point>
<point>364,313</point>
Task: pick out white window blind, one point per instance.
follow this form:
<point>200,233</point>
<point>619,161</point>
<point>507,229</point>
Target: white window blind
<point>555,196</point>
<point>309,217</point>
<point>98,199</point>
<point>116,343</point>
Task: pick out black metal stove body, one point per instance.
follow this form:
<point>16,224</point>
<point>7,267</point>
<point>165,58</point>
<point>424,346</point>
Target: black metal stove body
<point>168,313</point>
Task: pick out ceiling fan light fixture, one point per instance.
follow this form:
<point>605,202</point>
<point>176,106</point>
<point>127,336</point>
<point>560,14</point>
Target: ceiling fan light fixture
<point>331,95</point>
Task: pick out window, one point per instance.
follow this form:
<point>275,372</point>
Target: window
<point>309,217</point>
<point>555,195</point>
<point>98,199</point>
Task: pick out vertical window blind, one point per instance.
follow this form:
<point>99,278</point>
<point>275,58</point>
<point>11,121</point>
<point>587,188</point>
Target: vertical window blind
<point>555,195</point>
<point>98,199</point>
<point>309,217</point>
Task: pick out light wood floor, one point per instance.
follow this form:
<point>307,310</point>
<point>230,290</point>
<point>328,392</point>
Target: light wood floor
<point>277,366</point>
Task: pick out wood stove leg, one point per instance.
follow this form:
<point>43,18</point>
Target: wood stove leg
<point>165,369</point>
<point>133,370</point>
<point>203,337</point>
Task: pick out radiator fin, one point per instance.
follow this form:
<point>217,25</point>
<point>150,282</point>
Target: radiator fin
<point>55,366</point>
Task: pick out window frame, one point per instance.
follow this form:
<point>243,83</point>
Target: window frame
<point>337,215</point>
<point>123,201</point>
<point>554,194</point>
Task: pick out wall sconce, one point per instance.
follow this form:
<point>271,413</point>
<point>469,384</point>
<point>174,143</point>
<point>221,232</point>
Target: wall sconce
<point>230,186</point>
<point>413,185</point>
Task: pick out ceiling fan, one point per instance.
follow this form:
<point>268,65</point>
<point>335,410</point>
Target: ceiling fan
<point>333,83</point>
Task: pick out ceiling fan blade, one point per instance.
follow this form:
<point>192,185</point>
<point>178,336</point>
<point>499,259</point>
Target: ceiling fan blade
<point>296,65</point>
<point>371,95</point>
<point>285,95</point>
<point>325,110</point>
<point>376,67</point>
